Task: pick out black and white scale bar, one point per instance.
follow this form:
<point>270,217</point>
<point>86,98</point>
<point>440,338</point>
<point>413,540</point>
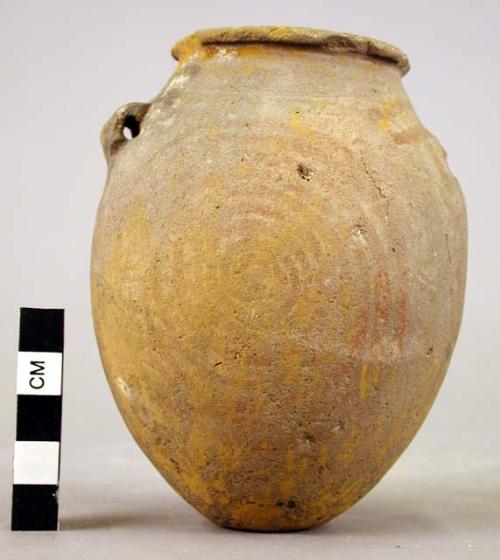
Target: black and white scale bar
<point>39,408</point>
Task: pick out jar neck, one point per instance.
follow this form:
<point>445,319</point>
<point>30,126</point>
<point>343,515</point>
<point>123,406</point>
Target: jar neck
<point>283,70</point>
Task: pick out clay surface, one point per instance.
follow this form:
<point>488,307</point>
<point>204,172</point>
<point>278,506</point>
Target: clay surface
<point>278,272</point>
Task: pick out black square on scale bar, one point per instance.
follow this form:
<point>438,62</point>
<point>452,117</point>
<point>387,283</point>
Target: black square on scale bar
<point>34,507</point>
<point>41,330</point>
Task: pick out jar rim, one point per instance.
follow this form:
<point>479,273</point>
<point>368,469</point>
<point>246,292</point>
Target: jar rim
<point>328,41</point>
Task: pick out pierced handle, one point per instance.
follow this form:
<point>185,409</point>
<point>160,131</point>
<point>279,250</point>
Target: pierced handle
<point>122,127</point>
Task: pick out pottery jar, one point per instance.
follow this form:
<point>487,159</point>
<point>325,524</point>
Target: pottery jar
<point>278,272</point>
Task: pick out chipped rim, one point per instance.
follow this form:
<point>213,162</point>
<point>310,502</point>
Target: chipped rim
<point>329,41</point>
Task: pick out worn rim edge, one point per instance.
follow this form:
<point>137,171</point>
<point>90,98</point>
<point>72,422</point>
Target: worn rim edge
<point>330,41</point>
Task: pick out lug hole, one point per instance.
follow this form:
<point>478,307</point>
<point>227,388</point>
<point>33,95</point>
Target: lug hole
<point>131,127</point>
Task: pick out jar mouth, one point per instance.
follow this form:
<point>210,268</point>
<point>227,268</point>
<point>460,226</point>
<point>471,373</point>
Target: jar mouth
<point>328,41</point>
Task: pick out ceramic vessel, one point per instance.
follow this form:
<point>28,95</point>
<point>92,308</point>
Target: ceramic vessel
<point>278,272</point>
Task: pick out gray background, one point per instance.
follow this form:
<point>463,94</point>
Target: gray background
<point>66,66</point>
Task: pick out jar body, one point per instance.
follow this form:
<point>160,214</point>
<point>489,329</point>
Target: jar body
<point>278,272</point>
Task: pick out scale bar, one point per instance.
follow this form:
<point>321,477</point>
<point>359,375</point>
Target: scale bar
<point>35,502</point>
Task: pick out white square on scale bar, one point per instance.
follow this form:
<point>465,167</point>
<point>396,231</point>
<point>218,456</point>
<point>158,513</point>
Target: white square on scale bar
<point>36,462</point>
<point>39,373</point>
